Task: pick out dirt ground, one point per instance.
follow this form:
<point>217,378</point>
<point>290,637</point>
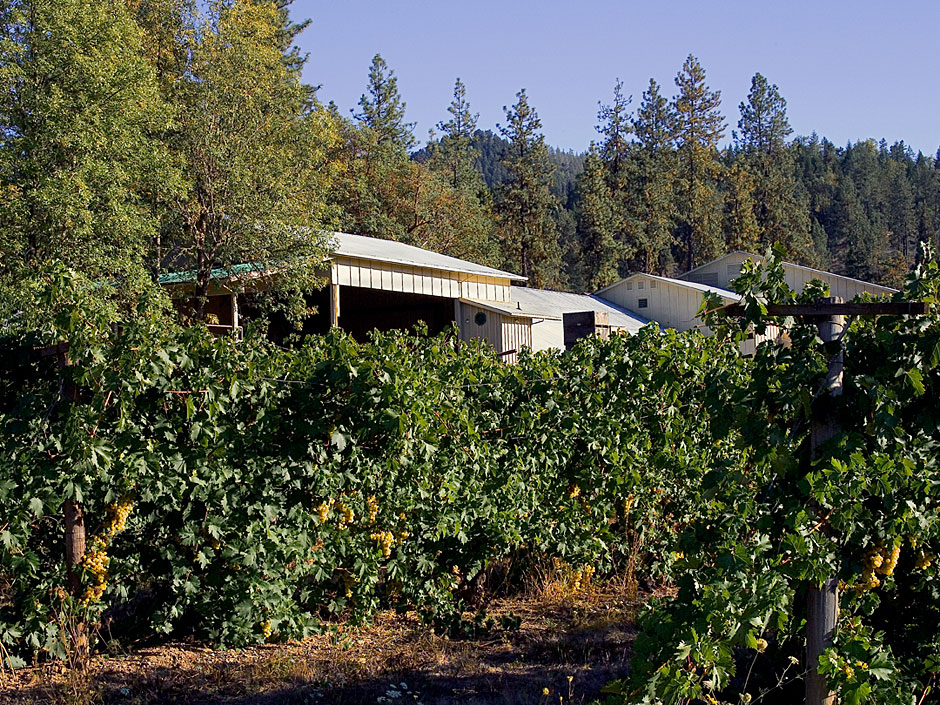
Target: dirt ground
<point>570,645</point>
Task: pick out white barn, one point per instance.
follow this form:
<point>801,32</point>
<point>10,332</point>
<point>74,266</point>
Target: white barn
<point>377,284</point>
<point>722,271</point>
<point>674,303</point>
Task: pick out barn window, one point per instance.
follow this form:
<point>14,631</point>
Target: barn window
<point>642,303</point>
<point>652,285</point>
<point>641,285</point>
<point>629,286</point>
<point>480,318</point>
<point>734,270</point>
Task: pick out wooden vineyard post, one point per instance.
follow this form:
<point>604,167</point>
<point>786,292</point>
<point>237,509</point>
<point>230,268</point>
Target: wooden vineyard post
<point>74,543</point>
<point>822,610</point>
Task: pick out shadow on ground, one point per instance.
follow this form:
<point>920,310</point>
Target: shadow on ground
<point>395,661</point>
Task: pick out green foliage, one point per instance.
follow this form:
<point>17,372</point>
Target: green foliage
<point>273,491</point>
<point>779,208</point>
<point>699,127</point>
<point>81,166</point>
<point>252,143</point>
<point>786,520</point>
<point>525,205</point>
<point>383,110</point>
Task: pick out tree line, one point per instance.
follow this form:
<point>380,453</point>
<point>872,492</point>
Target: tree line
<point>139,137</point>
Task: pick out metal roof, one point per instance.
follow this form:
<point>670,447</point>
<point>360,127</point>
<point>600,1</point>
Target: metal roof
<point>542,303</point>
<point>372,248</point>
<point>704,288</point>
<point>793,265</point>
<point>222,273</point>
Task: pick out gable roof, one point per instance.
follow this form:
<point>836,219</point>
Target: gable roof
<point>376,249</point>
<point>761,258</point>
<point>362,247</point>
<point>704,288</point>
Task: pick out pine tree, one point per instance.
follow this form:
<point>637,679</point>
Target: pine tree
<point>743,232</point>
<point>455,154</point>
<point>700,126</point>
<point>653,178</point>
<point>525,202</point>
<point>597,224</point>
<point>453,157</point>
<point>615,129</point>
<point>780,216</point>
<point>383,111</point>
<point>81,165</point>
<point>864,244</point>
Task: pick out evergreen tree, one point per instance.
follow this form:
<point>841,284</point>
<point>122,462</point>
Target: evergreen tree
<point>80,165</point>
<point>455,154</point>
<point>741,226</point>
<point>780,216</point>
<point>700,126</point>
<point>383,111</point>
<point>653,178</point>
<point>525,202</point>
<point>610,207</point>
<point>597,224</point>
<point>453,159</point>
<point>615,129</point>
<point>861,242</point>
<point>252,144</point>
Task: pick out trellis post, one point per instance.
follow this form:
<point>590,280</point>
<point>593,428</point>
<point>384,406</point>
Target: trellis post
<point>822,610</point>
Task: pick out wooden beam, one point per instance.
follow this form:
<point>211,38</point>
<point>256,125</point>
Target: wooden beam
<point>874,308</point>
<point>334,305</point>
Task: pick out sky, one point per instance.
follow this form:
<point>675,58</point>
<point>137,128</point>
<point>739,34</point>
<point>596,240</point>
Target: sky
<point>848,70</point>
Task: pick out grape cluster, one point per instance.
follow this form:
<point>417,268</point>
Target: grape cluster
<point>323,511</point>
<point>373,505</point>
<point>117,516</point>
<point>385,540</point>
<point>582,577</point>
<point>346,515</point>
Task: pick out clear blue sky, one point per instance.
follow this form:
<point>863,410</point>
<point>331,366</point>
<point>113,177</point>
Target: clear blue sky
<point>848,70</point>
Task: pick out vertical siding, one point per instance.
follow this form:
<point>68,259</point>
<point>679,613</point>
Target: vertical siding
<point>517,334</point>
<point>368,274</point>
<point>491,330</point>
<point>670,305</point>
<point>502,332</point>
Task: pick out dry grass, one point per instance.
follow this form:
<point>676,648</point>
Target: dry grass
<point>571,642</point>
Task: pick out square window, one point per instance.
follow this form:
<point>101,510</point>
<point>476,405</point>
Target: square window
<point>642,303</point>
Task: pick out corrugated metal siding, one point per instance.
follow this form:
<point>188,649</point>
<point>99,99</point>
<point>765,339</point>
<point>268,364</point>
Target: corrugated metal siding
<point>387,276</point>
<point>517,334</point>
